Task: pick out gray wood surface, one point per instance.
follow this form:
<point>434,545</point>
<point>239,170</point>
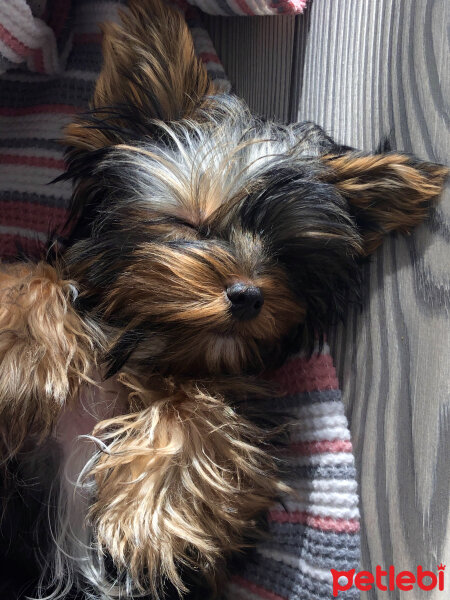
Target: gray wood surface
<point>364,69</point>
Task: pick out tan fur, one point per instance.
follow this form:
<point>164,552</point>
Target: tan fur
<point>206,338</point>
<point>154,69</point>
<point>181,478</point>
<point>182,482</point>
<point>388,192</point>
<point>46,351</point>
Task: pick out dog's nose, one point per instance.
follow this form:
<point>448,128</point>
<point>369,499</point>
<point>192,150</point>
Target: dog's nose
<point>246,300</point>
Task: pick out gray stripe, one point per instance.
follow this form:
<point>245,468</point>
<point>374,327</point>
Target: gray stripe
<point>87,57</point>
<point>6,64</point>
<point>44,200</point>
<point>298,533</point>
<point>323,472</point>
<point>287,403</point>
<point>324,557</point>
<point>25,233</point>
<point>289,582</point>
<point>35,144</point>
<point>65,90</point>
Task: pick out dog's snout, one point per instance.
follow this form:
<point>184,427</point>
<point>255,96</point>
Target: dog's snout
<point>246,300</point>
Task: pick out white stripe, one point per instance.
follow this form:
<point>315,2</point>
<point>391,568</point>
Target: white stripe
<point>26,233</point>
<point>10,54</point>
<point>215,67</point>
<point>21,24</point>
<point>348,486</point>
<point>320,435</point>
<point>335,512</point>
<point>322,500</point>
<point>17,178</point>
<point>325,460</point>
<point>297,563</point>
<point>315,422</point>
<point>32,33</point>
<point>259,8</point>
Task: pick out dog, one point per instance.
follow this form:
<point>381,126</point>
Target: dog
<point>210,245</point>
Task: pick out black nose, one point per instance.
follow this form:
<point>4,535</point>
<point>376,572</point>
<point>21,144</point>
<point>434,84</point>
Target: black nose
<point>246,300</point>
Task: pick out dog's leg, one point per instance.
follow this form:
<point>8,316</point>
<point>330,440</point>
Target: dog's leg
<point>180,485</point>
<point>46,350</point>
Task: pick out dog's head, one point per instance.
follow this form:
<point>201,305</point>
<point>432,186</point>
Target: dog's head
<point>219,242</point>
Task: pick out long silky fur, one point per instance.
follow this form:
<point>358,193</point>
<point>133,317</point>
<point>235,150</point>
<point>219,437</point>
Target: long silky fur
<point>46,351</point>
<point>183,192</point>
<point>176,484</point>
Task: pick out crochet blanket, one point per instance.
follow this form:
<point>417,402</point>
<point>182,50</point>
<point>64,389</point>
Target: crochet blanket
<point>50,60</point>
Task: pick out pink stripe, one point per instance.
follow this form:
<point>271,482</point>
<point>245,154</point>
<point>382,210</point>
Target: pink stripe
<point>39,108</point>
<point>301,375</point>
<point>36,217</point>
<point>9,243</point>
<point>209,57</point>
<point>38,59</point>
<point>319,447</point>
<point>289,6</point>
<point>243,6</point>
<point>87,38</point>
<point>324,523</point>
<point>256,589</point>
<point>16,45</point>
<point>59,16</point>
<point>32,161</point>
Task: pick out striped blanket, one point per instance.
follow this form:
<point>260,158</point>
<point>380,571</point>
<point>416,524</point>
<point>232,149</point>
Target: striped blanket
<point>49,62</point>
<point>318,529</point>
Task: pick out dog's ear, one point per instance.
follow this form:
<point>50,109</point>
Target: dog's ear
<point>386,192</point>
<point>150,71</point>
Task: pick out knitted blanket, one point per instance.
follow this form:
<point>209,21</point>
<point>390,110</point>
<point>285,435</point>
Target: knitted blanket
<point>50,60</point>
<point>318,529</point>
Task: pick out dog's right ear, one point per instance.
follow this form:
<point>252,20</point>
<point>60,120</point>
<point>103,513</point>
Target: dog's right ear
<point>150,71</point>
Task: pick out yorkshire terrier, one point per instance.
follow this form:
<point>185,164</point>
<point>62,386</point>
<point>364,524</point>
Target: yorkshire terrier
<point>210,245</point>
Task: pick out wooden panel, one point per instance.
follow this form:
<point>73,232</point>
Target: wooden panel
<point>365,69</point>
<point>374,68</point>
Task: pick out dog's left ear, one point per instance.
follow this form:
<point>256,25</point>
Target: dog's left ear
<point>386,192</point>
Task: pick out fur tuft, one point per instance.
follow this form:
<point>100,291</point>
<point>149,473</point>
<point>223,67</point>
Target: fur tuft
<point>46,351</point>
<point>180,484</point>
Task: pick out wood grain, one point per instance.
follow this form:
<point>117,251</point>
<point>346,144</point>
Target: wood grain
<point>366,69</point>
